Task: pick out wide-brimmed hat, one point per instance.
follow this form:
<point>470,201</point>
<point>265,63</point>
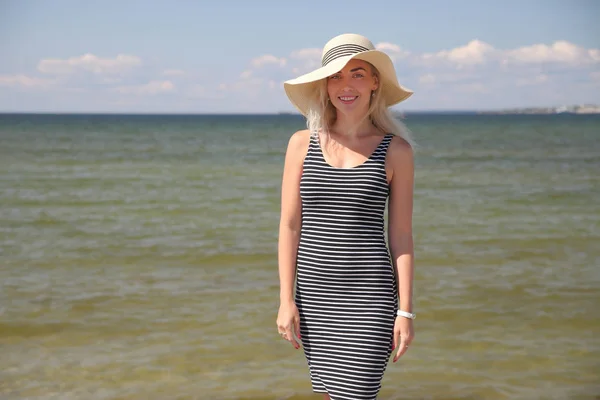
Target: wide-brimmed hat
<point>302,91</point>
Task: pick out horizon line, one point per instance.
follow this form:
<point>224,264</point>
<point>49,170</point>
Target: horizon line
<point>282,113</point>
<point>214,113</point>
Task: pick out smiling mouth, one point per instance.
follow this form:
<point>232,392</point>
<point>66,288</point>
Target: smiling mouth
<point>347,99</point>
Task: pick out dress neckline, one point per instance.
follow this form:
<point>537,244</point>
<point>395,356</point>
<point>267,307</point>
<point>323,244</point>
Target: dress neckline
<point>317,138</point>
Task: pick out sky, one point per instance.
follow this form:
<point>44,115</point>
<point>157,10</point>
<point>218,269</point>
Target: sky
<point>233,56</point>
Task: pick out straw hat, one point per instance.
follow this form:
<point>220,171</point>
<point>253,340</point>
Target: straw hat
<point>336,54</point>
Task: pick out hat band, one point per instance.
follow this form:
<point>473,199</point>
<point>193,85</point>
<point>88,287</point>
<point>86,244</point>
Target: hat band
<point>341,51</point>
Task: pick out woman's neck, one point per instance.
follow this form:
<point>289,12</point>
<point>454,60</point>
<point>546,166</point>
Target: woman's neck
<point>351,126</point>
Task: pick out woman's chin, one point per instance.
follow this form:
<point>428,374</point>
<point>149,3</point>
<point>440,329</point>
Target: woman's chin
<point>352,108</point>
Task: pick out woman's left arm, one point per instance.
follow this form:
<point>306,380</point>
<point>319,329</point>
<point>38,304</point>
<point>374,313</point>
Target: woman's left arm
<point>400,239</point>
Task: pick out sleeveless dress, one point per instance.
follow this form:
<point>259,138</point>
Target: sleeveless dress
<point>345,286</point>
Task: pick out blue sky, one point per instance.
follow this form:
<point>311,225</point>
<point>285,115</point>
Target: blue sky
<point>233,56</point>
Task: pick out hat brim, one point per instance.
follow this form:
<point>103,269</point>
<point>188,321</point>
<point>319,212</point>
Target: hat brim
<point>302,90</point>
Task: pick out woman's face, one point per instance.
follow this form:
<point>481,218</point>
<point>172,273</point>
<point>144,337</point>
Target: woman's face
<point>350,89</point>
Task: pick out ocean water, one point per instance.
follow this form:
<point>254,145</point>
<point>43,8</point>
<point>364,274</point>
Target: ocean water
<point>138,259</point>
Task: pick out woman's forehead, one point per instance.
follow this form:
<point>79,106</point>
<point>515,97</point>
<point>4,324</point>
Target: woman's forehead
<point>356,63</point>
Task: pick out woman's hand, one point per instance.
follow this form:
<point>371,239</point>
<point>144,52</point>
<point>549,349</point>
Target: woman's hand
<point>403,333</point>
<point>288,323</point>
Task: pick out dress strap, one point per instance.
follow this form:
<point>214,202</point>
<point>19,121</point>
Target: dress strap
<point>313,143</point>
<point>385,143</point>
<point>380,152</point>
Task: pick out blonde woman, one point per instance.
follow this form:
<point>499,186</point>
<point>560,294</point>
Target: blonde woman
<point>344,294</point>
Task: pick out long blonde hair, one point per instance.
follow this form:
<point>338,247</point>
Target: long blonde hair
<point>322,114</point>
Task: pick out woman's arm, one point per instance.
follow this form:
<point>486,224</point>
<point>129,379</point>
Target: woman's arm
<point>401,161</point>
<point>290,219</point>
<point>400,219</point>
<point>289,233</point>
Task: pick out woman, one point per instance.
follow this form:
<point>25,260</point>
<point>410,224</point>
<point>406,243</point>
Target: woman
<point>352,304</point>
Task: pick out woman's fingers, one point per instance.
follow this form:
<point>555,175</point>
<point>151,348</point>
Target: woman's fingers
<point>297,326</point>
<point>287,333</point>
<point>401,349</point>
<point>404,341</point>
<point>396,338</point>
<point>403,336</point>
<point>288,325</point>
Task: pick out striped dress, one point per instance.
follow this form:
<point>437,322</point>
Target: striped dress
<point>345,287</point>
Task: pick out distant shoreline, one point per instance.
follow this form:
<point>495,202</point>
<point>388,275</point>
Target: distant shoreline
<point>584,109</point>
<point>574,109</point>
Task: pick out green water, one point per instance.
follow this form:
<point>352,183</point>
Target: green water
<point>138,259</point>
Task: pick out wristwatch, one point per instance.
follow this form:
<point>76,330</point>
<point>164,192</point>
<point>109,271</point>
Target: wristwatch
<point>405,314</point>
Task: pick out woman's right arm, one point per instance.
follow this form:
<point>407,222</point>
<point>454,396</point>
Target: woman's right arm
<point>289,233</point>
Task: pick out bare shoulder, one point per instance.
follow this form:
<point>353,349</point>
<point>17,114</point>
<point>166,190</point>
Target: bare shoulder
<point>300,138</point>
<point>298,144</point>
<point>400,154</point>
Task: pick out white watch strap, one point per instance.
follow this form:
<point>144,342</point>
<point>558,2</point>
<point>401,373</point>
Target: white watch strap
<point>405,314</point>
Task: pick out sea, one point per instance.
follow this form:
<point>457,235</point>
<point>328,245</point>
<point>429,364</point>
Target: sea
<point>138,258</point>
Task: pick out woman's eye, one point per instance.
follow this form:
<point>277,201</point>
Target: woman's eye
<point>358,75</point>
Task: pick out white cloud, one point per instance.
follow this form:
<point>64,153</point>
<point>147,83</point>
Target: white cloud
<point>427,79</point>
<point>307,54</point>
<point>173,72</point>
<point>477,75</point>
<point>393,50</point>
<point>268,59</point>
<point>385,46</point>
<point>475,71</point>
<point>473,53</point>
<point>559,52</point>
<point>303,61</point>
<point>91,63</point>
<point>21,80</point>
<point>258,77</point>
<point>473,75</point>
<point>451,76</point>
<point>477,52</point>
<point>150,88</point>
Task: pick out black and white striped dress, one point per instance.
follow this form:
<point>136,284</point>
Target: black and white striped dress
<point>345,286</point>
